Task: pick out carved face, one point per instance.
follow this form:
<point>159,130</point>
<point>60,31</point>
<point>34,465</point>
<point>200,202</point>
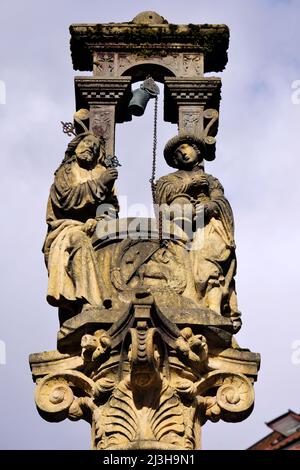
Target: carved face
<point>87,149</point>
<point>186,156</point>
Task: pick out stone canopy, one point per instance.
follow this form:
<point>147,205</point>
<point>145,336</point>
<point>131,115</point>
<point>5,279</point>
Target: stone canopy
<point>147,39</point>
<point>148,310</point>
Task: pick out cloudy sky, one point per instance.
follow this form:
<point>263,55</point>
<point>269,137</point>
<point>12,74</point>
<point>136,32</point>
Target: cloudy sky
<point>257,162</point>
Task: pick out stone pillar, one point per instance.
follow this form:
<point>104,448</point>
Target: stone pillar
<point>107,99</point>
<point>193,104</point>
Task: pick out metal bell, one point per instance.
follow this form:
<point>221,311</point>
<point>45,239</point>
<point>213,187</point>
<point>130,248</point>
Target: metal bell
<point>142,95</point>
<point>139,102</point>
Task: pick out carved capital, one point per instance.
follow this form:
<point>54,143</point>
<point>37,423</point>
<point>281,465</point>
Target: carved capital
<point>201,92</point>
<point>145,383</point>
<point>94,91</point>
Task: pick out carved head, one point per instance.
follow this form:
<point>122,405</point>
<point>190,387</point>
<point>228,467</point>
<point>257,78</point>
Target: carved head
<point>87,150</point>
<point>186,155</point>
<point>185,151</point>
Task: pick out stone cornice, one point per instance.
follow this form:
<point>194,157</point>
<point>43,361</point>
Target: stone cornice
<point>211,40</point>
<point>193,90</point>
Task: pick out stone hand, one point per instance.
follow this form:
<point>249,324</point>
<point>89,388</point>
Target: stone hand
<point>211,209</point>
<point>109,176</point>
<point>90,226</point>
<point>198,180</point>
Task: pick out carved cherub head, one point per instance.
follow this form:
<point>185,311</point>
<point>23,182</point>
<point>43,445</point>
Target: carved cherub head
<point>185,151</point>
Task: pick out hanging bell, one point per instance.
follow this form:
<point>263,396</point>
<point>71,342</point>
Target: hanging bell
<point>142,95</point>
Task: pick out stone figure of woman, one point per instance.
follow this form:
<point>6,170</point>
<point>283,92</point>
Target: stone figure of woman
<point>212,251</point>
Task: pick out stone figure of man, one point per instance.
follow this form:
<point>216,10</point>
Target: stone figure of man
<point>81,184</point>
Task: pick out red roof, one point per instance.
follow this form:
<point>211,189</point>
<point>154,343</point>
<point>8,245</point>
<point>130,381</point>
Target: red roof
<point>285,435</point>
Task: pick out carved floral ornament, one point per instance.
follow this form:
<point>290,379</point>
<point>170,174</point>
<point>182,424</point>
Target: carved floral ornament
<point>117,64</point>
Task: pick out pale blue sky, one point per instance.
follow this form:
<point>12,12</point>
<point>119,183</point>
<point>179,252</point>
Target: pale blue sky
<point>257,162</point>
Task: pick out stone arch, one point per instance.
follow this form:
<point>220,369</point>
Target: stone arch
<point>139,71</point>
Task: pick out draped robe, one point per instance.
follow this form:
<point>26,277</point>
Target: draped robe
<point>70,258</point>
<point>213,247</point>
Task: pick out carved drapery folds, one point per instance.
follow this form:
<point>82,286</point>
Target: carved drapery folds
<point>147,307</point>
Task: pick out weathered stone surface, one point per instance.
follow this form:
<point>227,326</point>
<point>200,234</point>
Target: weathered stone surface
<point>179,387</point>
<point>148,307</point>
<point>149,17</point>
<point>149,39</point>
<point>81,183</point>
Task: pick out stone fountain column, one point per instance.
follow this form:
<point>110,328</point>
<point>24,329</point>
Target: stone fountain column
<point>146,350</point>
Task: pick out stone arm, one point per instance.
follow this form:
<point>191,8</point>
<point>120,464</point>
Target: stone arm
<point>216,194</point>
<point>170,186</point>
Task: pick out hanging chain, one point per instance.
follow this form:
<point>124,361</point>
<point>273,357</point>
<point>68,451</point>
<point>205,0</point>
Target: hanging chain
<point>158,214</point>
<point>152,179</point>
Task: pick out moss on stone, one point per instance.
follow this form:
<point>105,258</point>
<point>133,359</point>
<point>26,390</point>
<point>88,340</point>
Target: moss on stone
<point>211,40</point>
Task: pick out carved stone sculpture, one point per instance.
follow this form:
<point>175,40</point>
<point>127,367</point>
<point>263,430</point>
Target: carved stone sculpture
<point>81,183</point>
<point>191,190</point>
<point>147,307</point>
